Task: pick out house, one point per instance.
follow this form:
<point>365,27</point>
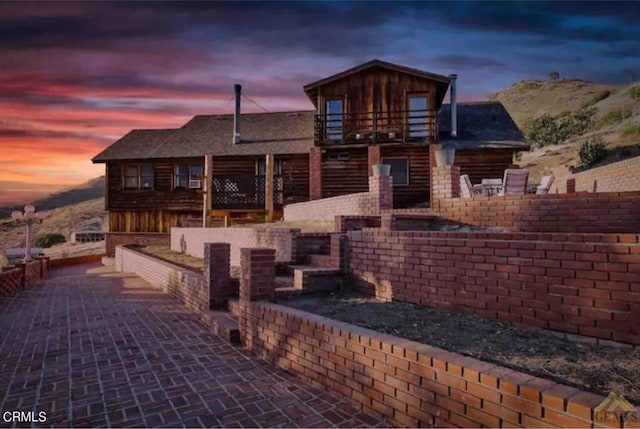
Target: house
<point>238,164</point>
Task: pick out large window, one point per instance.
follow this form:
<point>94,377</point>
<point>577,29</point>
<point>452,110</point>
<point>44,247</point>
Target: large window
<point>137,176</point>
<point>399,170</point>
<point>334,110</point>
<point>418,111</point>
<point>188,176</point>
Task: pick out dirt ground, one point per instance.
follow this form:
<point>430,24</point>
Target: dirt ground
<point>181,259</point>
<point>591,367</point>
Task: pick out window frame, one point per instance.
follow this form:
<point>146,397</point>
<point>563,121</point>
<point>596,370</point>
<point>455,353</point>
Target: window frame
<point>190,166</point>
<point>408,175</point>
<point>138,176</point>
<point>334,133</point>
<point>421,94</point>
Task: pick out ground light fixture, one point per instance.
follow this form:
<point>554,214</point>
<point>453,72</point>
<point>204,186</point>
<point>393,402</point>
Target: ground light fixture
<point>28,218</point>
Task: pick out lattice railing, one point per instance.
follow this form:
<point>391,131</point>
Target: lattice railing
<point>243,191</point>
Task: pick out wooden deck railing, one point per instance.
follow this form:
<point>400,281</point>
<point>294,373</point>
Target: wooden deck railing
<point>376,127</point>
<point>243,191</point>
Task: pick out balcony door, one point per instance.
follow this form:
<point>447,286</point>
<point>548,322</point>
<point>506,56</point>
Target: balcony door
<point>334,124</point>
<point>418,115</point>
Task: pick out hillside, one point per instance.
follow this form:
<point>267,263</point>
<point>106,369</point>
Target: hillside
<point>87,215</point>
<point>92,189</point>
<point>616,119</point>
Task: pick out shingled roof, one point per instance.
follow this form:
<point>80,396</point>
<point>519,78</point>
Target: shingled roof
<point>261,134</point>
<point>480,125</point>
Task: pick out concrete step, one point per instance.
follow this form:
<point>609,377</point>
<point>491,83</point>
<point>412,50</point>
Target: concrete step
<point>284,281</point>
<point>323,261</point>
<point>316,279</point>
<point>224,324</point>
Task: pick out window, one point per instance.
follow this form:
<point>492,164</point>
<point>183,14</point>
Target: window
<point>261,167</point>
<point>399,170</point>
<point>188,176</point>
<point>334,110</point>
<point>418,112</point>
<point>136,176</point>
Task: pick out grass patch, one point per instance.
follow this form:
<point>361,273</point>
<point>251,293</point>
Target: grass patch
<point>599,96</point>
<point>613,117</point>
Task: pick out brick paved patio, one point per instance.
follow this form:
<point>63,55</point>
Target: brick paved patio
<point>96,348</point>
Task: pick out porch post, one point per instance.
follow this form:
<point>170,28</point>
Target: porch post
<point>374,157</point>
<point>268,187</point>
<point>208,192</point>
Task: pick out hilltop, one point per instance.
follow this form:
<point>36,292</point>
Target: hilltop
<point>92,189</point>
<point>87,215</point>
<point>616,119</point>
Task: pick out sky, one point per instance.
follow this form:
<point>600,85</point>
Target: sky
<point>76,76</point>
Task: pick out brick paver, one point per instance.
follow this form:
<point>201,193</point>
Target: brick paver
<point>91,347</point>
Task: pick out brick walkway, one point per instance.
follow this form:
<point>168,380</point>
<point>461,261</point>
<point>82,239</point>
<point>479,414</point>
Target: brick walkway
<point>96,348</point>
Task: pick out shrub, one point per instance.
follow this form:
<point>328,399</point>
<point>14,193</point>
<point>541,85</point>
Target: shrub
<point>542,131</point>
<point>592,151</point>
<point>634,92</point>
<point>577,123</point>
<point>631,129</point>
<point>596,98</point>
<point>614,117</point>
<point>48,240</point>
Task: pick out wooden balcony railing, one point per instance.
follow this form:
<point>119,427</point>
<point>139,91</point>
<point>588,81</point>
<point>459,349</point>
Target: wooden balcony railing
<point>243,191</point>
<point>376,127</point>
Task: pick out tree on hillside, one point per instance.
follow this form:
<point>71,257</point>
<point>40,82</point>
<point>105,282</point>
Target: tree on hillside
<point>554,76</point>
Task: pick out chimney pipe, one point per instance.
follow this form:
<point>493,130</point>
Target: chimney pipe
<point>454,107</point>
<point>237,88</point>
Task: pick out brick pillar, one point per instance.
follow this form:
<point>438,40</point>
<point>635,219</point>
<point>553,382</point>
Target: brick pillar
<point>374,157</point>
<point>217,265</point>
<point>381,190</point>
<point>571,186</point>
<point>446,184</point>
<point>257,282</point>
<point>315,173</point>
<point>386,221</point>
<point>339,251</point>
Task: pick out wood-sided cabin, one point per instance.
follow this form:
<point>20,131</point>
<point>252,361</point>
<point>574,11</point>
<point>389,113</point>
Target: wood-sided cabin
<point>374,113</point>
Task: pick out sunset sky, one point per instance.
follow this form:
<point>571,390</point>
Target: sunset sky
<point>74,77</point>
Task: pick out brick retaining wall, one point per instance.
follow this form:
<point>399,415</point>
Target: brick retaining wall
<point>114,239</point>
<point>586,284</point>
<point>582,212</point>
<point>411,384</point>
<point>379,198</point>
<point>191,240</point>
<point>620,176</point>
<point>185,285</point>
<point>15,278</point>
<point>75,260</point>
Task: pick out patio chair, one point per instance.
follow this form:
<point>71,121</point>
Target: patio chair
<point>514,181</point>
<point>467,190</point>
<point>545,185</point>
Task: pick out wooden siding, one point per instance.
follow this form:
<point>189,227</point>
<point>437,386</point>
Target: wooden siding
<point>295,177</point>
<point>376,89</point>
<point>345,177</point>
<point>483,163</point>
<point>417,191</point>
<point>161,197</point>
<point>151,220</point>
<point>235,165</point>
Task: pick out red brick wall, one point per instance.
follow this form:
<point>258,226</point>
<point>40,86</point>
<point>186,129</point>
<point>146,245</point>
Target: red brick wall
<point>114,239</point>
<point>582,212</point>
<point>411,384</point>
<point>15,278</point>
<point>10,281</point>
<point>379,198</point>
<point>75,260</point>
<point>620,176</point>
<point>185,285</point>
<point>586,284</point>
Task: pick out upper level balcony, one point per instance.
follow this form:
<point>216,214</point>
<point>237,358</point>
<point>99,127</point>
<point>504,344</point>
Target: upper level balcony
<point>409,126</point>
